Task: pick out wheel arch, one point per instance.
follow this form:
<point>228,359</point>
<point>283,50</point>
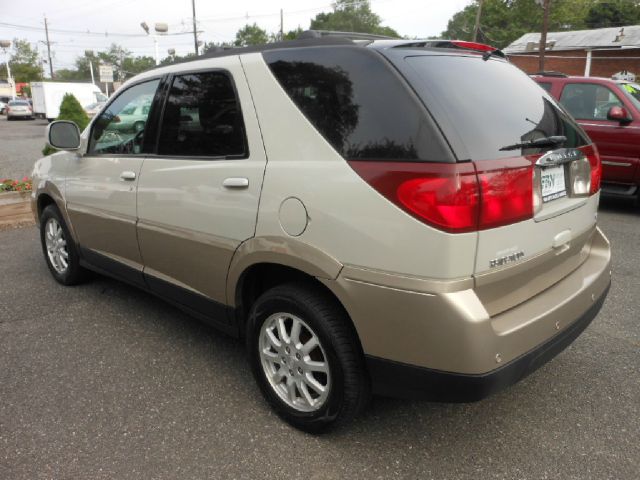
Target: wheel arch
<point>49,194</point>
<point>264,262</point>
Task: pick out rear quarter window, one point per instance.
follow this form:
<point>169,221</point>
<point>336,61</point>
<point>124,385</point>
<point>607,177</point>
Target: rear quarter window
<point>359,104</point>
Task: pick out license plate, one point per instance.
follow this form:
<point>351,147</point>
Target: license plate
<point>552,181</point>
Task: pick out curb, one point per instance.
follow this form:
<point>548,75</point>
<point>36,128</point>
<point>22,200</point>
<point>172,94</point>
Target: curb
<point>15,209</point>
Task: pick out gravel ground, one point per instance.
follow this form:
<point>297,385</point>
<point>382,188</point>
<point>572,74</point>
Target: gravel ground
<point>21,142</point>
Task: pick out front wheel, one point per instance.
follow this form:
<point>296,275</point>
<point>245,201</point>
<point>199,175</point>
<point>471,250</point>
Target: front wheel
<point>59,250</point>
<point>306,358</point>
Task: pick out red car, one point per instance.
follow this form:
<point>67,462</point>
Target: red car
<point>609,111</point>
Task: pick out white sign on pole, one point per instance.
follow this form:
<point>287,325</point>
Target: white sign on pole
<point>106,73</point>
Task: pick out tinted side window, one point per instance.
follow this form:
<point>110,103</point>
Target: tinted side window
<point>202,117</point>
<point>120,128</point>
<point>545,85</point>
<point>358,103</point>
<point>588,101</point>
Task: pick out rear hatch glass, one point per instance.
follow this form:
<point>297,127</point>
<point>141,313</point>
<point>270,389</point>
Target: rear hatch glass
<point>491,112</point>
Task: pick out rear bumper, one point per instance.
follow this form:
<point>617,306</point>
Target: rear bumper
<point>437,340</point>
<point>20,114</point>
<point>395,379</point>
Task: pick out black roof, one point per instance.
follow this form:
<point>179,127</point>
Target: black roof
<point>306,42</point>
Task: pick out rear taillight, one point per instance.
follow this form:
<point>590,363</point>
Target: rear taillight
<point>506,191</point>
<point>596,167</point>
<point>448,200</point>
<point>454,197</point>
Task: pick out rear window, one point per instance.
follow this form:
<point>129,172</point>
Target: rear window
<point>359,104</point>
<point>489,104</point>
<point>21,103</point>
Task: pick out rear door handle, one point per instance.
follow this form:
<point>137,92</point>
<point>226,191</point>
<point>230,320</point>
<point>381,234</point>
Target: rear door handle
<point>128,175</point>
<point>235,182</point>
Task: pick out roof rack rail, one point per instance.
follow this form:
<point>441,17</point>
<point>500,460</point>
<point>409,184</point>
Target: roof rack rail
<point>550,73</point>
<point>352,35</point>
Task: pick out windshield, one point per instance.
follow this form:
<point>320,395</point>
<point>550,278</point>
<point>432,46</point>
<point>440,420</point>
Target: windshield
<point>18,102</point>
<point>490,105</point>
<point>632,91</point>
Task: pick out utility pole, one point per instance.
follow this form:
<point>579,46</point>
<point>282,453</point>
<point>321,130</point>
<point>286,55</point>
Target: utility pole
<point>195,32</point>
<point>46,31</point>
<point>281,26</point>
<point>476,28</point>
<point>546,5</point>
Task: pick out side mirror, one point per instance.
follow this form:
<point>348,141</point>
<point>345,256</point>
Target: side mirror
<point>619,114</point>
<point>63,135</point>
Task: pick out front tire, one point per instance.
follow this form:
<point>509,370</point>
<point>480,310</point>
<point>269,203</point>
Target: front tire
<point>306,358</point>
<point>60,252</point>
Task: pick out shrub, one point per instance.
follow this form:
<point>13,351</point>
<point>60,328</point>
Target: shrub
<point>8,185</point>
<point>70,109</point>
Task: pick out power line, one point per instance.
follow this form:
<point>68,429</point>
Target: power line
<point>80,32</point>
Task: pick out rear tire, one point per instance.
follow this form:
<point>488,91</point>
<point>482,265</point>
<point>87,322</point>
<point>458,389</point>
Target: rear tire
<point>60,251</point>
<point>312,388</point>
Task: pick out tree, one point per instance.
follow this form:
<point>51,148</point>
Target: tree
<point>349,16</point>
<point>503,21</point>
<point>70,109</point>
<point>251,35</point>
<point>115,57</point>
<point>24,62</point>
<point>613,13</point>
<point>134,65</point>
<point>293,34</point>
<point>69,75</point>
<point>83,65</point>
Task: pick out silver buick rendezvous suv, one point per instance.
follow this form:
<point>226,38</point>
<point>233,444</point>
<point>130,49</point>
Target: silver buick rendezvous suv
<point>404,218</point>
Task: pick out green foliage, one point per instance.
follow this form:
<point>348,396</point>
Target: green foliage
<point>503,21</point>
<point>70,75</point>
<point>251,35</point>
<point>293,34</point>
<point>348,16</point>
<point>70,109</point>
<point>613,13</point>
<point>134,65</point>
<point>24,62</point>
<point>179,58</point>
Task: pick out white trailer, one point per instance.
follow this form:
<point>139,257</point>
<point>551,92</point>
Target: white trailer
<point>47,96</point>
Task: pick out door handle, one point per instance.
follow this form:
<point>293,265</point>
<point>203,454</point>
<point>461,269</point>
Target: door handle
<point>128,175</point>
<point>235,182</point>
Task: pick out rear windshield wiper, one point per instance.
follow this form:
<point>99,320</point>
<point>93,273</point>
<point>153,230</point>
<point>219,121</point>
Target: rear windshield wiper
<point>538,142</point>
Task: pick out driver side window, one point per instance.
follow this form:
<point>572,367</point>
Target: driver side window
<point>588,101</point>
<point>120,128</point>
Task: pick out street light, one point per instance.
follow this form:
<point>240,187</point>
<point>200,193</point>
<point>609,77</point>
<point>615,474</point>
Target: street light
<point>5,44</point>
<point>160,29</point>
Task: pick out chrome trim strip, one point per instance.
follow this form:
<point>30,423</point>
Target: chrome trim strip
<point>616,164</point>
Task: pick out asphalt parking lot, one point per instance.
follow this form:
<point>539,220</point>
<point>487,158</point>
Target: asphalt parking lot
<point>21,144</point>
<point>102,381</point>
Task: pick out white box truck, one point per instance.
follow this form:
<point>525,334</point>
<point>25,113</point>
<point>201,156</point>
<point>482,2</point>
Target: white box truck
<point>47,96</point>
